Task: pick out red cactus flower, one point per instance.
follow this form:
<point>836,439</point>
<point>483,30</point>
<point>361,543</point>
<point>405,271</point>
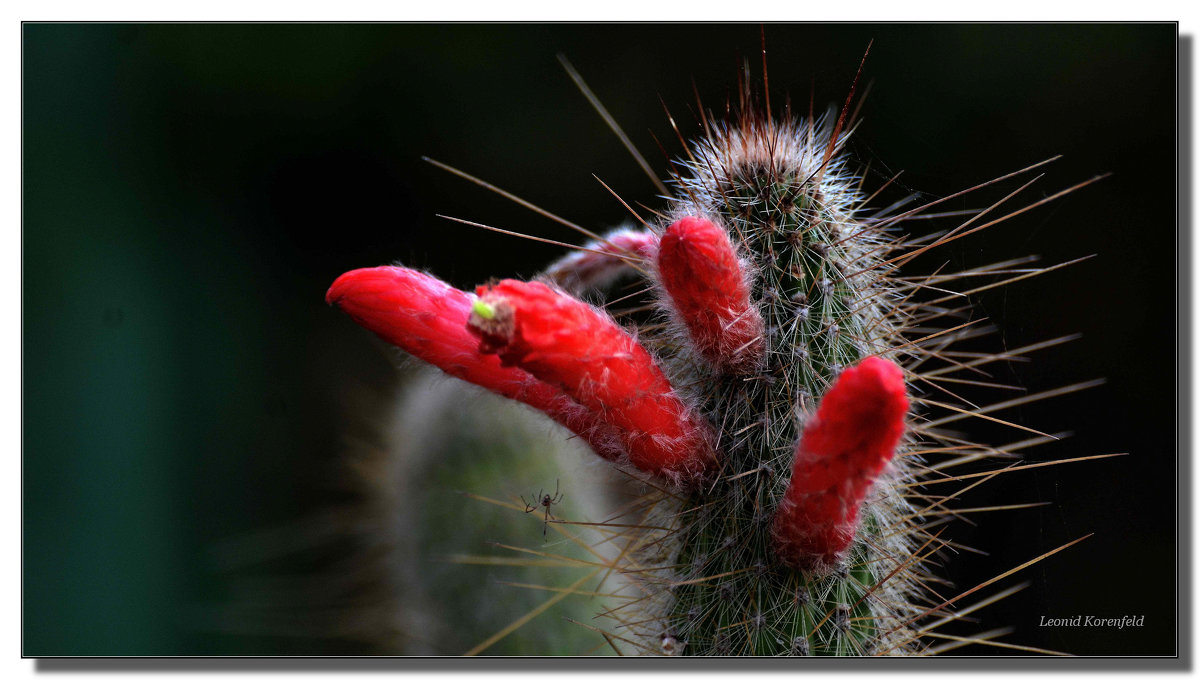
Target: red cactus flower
<point>570,344</point>
<point>845,446</point>
<point>603,261</point>
<point>700,271</point>
<point>427,318</point>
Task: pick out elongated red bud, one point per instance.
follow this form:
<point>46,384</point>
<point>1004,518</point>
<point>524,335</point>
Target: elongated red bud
<point>427,318</point>
<point>699,270</point>
<point>845,446</point>
<point>570,344</point>
<point>604,261</point>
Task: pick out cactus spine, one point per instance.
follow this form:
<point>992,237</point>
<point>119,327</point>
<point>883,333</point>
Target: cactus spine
<point>763,411</point>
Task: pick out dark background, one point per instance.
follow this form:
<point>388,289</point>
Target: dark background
<point>191,191</point>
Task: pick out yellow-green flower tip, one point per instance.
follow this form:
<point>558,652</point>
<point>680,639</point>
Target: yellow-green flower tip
<point>483,309</point>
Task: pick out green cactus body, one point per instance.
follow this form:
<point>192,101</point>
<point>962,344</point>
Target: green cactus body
<point>826,304</point>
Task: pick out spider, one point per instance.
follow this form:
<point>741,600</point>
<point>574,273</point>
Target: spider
<point>544,500</point>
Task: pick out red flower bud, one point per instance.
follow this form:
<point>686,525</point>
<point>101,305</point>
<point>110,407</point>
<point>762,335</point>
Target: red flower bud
<point>845,446</point>
<point>427,318</point>
<point>570,344</point>
<point>603,261</point>
<point>699,270</point>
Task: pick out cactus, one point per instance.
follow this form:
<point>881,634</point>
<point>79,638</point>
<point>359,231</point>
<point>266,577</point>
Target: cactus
<point>778,406</point>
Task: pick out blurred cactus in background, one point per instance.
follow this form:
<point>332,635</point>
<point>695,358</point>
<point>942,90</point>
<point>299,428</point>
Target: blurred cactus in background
<point>431,595</point>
